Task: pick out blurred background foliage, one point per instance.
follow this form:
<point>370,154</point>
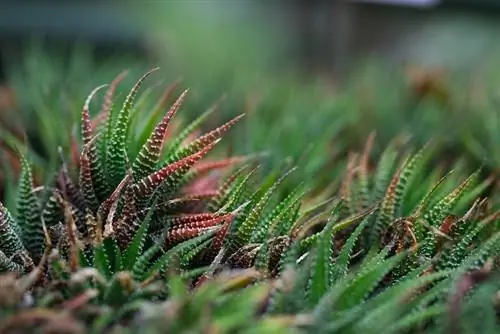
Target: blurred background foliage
<point>315,78</point>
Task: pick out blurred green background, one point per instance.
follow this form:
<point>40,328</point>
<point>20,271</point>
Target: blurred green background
<point>314,77</point>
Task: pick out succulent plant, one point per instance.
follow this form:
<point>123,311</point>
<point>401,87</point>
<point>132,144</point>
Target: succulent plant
<point>111,233</point>
<point>138,232</point>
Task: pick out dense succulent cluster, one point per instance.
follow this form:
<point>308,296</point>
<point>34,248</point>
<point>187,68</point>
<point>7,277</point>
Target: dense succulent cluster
<point>132,219</point>
<point>407,266</point>
<point>137,232</point>
<point>111,196</point>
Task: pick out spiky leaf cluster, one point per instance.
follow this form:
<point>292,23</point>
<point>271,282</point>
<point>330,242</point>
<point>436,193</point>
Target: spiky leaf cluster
<point>139,204</point>
<point>398,248</point>
<point>395,251</point>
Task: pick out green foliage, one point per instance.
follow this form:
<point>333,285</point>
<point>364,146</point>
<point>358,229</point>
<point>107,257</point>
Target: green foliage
<point>47,87</point>
<point>138,233</point>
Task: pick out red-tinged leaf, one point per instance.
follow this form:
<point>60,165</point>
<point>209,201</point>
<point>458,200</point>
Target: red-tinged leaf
<point>103,115</point>
<point>387,208</point>
<point>72,237</point>
<point>68,189</point>
<point>149,154</point>
<point>186,203</point>
<point>182,234</point>
<point>200,196</point>
<point>189,134</point>
<point>87,131</point>
<point>346,186</point>
<point>171,130</point>
<point>123,228</point>
<point>126,226</point>
<point>196,197</point>
<point>85,179</point>
<point>147,185</point>
<point>207,222</point>
<point>186,219</point>
<point>191,137</point>
<point>364,161</point>
<point>94,228</point>
<point>214,134</point>
<point>116,147</point>
<point>207,166</point>
<point>447,224</point>
<point>80,300</point>
<point>106,205</point>
<point>202,280</point>
<point>221,234</point>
